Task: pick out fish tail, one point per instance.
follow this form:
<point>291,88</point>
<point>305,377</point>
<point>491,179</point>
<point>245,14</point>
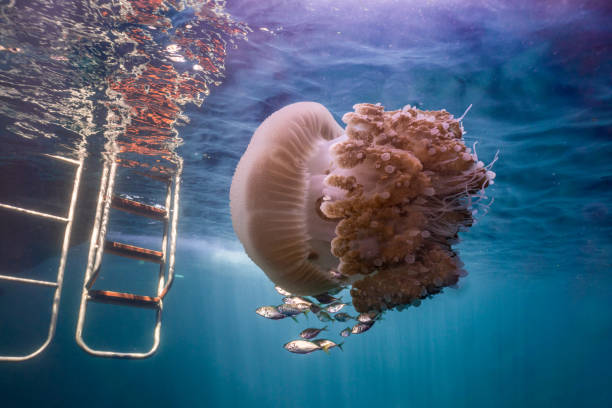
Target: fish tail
<point>340,346</point>
<point>324,328</point>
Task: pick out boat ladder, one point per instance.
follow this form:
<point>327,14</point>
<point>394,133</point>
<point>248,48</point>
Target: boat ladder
<point>58,283</point>
<point>100,245</point>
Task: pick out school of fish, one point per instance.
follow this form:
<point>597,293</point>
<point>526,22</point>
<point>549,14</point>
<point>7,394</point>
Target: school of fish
<point>327,309</point>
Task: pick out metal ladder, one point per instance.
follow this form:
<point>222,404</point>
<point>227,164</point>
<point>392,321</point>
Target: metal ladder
<point>99,245</point>
<point>58,283</point>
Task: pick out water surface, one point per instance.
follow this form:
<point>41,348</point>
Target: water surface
<point>529,326</point>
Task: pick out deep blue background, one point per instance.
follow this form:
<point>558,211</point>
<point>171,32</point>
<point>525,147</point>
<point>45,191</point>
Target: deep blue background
<point>532,323</point>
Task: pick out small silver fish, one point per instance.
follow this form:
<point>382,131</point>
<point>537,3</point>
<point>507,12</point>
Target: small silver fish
<point>324,317</point>
<point>362,327</point>
<point>304,307</point>
<point>311,333</point>
<point>335,307</point>
<point>367,317</point>
<point>291,310</point>
<point>343,317</point>
<point>270,312</point>
<point>327,344</point>
<point>282,291</point>
<point>296,300</point>
<point>301,346</point>
<point>346,332</point>
<point>325,298</point>
<point>315,309</point>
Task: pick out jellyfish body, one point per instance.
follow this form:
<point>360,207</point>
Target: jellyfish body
<point>272,198</point>
<point>376,206</point>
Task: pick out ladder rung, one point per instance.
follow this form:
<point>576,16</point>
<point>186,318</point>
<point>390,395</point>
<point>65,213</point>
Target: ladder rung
<point>108,296</point>
<point>131,251</point>
<point>163,177</point>
<point>160,173</point>
<point>135,207</point>
<point>32,212</point>
<point>65,159</point>
<point>31,281</point>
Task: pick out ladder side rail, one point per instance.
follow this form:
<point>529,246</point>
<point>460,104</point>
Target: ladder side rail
<point>123,355</point>
<point>60,270</point>
<point>93,245</point>
<point>93,269</point>
<point>94,242</point>
<point>162,266</point>
<point>173,229</point>
<point>104,222</point>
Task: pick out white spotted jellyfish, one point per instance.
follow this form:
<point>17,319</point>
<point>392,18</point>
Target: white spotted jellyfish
<point>376,206</point>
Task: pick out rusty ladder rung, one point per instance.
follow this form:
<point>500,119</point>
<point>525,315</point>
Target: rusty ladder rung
<point>121,298</point>
<point>163,174</point>
<point>131,251</point>
<point>138,208</point>
<point>164,178</point>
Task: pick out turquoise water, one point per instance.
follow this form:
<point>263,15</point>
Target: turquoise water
<point>529,326</point>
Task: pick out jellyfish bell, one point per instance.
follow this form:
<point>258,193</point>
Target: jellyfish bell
<point>376,205</point>
<point>273,203</point>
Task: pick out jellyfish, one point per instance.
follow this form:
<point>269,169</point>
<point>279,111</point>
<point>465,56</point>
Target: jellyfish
<point>375,207</point>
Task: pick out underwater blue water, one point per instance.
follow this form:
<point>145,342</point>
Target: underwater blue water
<point>530,326</point>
